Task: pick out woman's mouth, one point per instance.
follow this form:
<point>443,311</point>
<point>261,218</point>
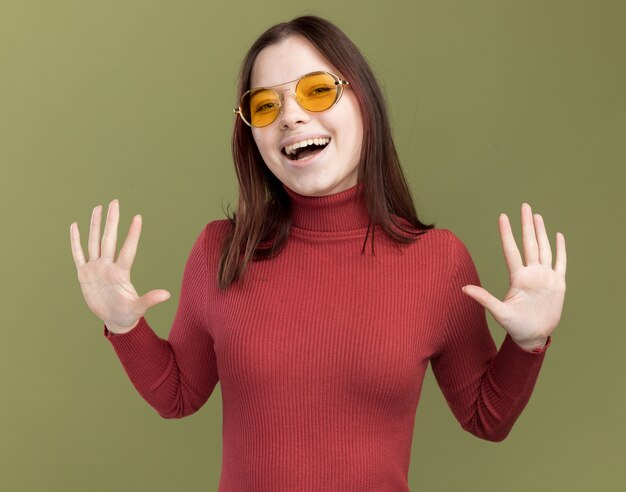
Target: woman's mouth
<point>305,149</point>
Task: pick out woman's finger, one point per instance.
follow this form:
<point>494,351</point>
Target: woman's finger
<point>561,256</point>
<point>129,248</point>
<point>509,247</point>
<point>529,239</point>
<point>93,244</point>
<point>545,253</point>
<point>109,237</point>
<point>77,250</point>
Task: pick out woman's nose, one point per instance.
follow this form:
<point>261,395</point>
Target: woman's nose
<point>292,113</point>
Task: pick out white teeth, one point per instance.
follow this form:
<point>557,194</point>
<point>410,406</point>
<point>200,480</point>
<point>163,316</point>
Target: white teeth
<point>290,149</point>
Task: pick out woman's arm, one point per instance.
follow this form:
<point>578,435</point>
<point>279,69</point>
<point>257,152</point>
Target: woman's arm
<point>486,389</point>
<point>175,376</point>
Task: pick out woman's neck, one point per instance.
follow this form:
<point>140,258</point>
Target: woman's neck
<point>343,211</point>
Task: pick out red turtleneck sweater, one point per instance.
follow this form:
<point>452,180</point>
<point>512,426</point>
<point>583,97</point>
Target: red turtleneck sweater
<point>321,352</point>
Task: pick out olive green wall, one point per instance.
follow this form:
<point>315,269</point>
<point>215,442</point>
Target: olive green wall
<point>493,103</point>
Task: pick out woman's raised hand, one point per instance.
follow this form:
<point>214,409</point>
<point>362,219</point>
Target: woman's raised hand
<point>105,283</point>
<point>532,307</point>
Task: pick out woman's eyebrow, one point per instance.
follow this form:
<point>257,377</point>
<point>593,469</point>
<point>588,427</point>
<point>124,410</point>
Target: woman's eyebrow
<point>289,81</point>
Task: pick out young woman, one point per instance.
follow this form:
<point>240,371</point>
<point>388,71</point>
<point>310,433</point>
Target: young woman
<point>319,340</point>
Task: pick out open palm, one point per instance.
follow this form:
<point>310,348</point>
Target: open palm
<point>105,283</point>
<point>532,307</point>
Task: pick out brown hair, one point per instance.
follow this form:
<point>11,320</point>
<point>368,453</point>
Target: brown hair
<point>261,224</point>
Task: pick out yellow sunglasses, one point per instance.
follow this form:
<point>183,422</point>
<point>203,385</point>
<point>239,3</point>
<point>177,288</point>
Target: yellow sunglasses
<point>315,91</point>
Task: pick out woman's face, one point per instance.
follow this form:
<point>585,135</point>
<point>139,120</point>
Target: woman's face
<point>331,170</point>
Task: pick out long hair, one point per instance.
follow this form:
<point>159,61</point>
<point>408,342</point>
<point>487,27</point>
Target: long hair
<point>262,221</point>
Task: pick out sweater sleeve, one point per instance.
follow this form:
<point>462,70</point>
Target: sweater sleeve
<point>486,389</point>
<point>175,376</point>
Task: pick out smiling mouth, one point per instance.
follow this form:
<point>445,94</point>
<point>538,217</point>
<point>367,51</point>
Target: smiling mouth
<point>305,149</point>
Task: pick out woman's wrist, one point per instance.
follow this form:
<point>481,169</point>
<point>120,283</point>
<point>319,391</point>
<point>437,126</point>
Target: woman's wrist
<point>532,346</point>
<point>120,330</point>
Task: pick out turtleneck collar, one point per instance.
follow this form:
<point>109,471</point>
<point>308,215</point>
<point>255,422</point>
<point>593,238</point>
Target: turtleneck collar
<point>343,211</point>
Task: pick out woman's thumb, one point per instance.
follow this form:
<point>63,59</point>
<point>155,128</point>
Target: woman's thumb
<point>153,297</point>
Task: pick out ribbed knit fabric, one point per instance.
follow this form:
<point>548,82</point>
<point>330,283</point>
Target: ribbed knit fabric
<point>321,352</point>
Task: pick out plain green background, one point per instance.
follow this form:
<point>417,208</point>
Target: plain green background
<point>493,103</point>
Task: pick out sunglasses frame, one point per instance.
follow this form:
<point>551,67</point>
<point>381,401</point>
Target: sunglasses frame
<point>339,83</point>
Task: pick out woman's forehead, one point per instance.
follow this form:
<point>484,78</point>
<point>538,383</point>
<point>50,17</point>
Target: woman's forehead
<point>285,61</point>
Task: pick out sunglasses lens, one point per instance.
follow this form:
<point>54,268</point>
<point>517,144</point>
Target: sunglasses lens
<point>260,107</point>
<point>317,92</point>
